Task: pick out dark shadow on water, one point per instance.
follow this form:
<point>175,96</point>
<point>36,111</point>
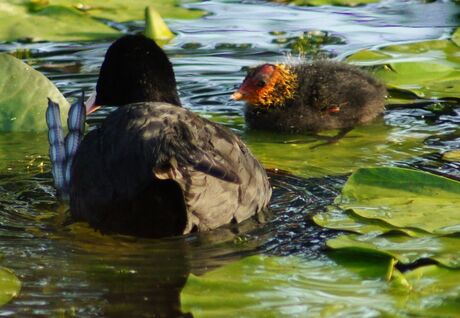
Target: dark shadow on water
<point>147,286</point>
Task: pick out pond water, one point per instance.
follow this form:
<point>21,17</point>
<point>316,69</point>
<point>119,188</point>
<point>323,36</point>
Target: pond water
<point>71,270</point>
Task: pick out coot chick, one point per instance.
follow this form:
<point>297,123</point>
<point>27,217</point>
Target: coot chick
<point>153,168</point>
<point>311,97</point>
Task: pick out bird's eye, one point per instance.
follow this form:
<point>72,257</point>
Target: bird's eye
<point>261,83</point>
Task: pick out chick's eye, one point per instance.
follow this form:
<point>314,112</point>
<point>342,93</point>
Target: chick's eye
<point>261,83</point>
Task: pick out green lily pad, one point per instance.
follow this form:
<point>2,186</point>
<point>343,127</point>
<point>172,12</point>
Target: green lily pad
<point>123,11</point>
<point>348,3</point>
<point>347,221</point>
<point>23,96</point>
<point>453,155</point>
<point>9,285</point>
<point>351,286</point>
<point>407,250</point>
<point>428,69</point>
<point>53,23</point>
<point>435,290</point>
<point>404,198</point>
<point>307,156</point>
<point>155,27</point>
<point>278,287</point>
<point>456,37</point>
<point>70,20</point>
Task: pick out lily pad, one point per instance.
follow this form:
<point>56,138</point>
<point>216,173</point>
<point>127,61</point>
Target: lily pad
<point>348,3</point>
<point>404,198</point>
<point>407,250</point>
<point>123,11</point>
<point>155,27</point>
<point>435,289</point>
<point>352,286</point>
<point>453,156</point>
<point>53,23</point>
<point>456,37</point>
<point>9,285</point>
<point>261,286</point>
<point>23,96</point>
<point>308,156</point>
<point>428,69</point>
<point>338,219</point>
<point>70,20</point>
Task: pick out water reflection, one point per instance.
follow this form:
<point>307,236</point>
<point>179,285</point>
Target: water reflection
<point>138,278</point>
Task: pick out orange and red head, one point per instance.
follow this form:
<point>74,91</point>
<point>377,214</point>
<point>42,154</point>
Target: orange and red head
<point>268,85</point>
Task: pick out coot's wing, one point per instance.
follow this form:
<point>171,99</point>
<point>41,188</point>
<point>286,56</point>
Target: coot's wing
<point>159,136</point>
<point>220,178</point>
<point>138,143</point>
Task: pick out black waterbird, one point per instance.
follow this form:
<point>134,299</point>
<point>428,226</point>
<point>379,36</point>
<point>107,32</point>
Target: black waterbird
<point>153,168</point>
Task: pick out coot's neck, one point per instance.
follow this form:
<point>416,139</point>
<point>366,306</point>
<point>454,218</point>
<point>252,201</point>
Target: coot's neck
<point>136,69</point>
<point>131,90</point>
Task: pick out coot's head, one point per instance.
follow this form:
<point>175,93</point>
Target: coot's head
<point>136,69</point>
<point>268,85</point>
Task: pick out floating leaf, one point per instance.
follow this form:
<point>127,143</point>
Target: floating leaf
<point>123,11</point>
<point>53,23</point>
<point>407,250</point>
<point>23,96</point>
<point>349,3</point>
<point>155,27</point>
<point>37,5</point>
<point>453,156</point>
<point>9,285</point>
<point>429,69</point>
<point>346,221</point>
<point>435,292</point>
<point>69,20</point>
<point>308,156</point>
<point>383,200</point>
<point>351,286</point>
<point>279,287</point>
<point>404,198</point>
<point>456,37</point>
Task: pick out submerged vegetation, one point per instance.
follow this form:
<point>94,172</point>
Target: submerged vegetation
<point>392,233</point>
